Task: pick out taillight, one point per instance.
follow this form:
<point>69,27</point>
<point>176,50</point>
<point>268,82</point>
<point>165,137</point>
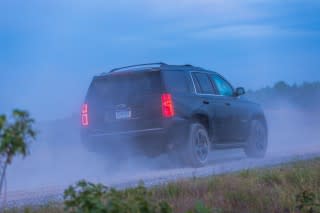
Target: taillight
<point>167,105</point>
<point>85,115</point>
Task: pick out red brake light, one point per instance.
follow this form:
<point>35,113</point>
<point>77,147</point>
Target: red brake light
<point>84,115</point>
<point>167,105</point>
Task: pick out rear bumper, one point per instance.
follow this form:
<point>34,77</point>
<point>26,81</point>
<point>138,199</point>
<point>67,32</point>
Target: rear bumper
<point>171,132</point>
<point>127,133</point>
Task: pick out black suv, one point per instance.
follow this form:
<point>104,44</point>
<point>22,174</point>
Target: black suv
<point>181,110</point>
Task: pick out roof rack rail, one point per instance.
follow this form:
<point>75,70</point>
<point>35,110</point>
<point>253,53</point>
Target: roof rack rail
<point>137,65</point>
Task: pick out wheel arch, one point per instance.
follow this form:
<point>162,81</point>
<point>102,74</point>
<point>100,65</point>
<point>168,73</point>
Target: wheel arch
<point>203,119</point>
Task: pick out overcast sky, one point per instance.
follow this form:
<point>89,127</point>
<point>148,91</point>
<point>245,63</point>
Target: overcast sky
<point>49,50</point>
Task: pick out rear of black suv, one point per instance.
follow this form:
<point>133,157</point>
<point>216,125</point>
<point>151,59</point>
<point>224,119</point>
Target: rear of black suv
<point>184,111</point>
<point>131,108</point>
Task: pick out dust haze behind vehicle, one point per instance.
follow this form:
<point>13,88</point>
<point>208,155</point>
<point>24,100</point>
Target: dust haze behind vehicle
<point>293,130</point>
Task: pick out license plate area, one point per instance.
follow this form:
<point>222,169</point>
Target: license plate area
<point>123,114</point>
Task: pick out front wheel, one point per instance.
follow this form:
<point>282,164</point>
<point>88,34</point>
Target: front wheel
<point>258,140</point>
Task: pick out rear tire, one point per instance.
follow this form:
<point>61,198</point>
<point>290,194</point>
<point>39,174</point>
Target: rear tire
<point>196,151</point>
<point>258,140</point>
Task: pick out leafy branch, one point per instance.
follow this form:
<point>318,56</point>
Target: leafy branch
<point>16,134</point>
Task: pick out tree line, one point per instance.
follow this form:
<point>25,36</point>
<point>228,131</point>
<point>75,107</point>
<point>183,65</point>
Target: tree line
<point>305,96</point>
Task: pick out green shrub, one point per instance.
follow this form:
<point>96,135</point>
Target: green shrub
<point>87,197</point>
<point>306,202</point>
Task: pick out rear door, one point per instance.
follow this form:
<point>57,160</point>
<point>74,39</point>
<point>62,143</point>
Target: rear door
<point>221,114</point>
<point>125,101</point>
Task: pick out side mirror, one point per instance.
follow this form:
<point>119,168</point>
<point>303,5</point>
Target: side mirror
<point>240,91</point>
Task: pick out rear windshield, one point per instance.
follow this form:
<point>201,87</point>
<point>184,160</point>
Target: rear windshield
<point>125,85</point>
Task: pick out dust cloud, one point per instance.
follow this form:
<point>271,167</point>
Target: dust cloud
<point>59,159</point>
<point>293,131</point>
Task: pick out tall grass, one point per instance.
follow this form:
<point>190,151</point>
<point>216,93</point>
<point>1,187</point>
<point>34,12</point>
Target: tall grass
<point>289,188</point>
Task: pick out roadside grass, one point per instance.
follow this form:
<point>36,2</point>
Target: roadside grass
<point>293,187</point>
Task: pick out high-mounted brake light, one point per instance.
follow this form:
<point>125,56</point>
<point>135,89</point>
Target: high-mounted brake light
<point>167,105</point>
<point>84,115</point>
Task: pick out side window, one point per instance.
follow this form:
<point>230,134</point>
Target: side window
<point>222,85</point>
<point>176,81</point>
<point>203,83</point>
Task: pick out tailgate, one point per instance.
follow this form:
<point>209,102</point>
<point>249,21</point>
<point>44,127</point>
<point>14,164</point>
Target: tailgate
<point>124,102</point>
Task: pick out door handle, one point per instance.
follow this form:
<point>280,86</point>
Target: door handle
<point>205,102</point>
<point>227,104</point>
